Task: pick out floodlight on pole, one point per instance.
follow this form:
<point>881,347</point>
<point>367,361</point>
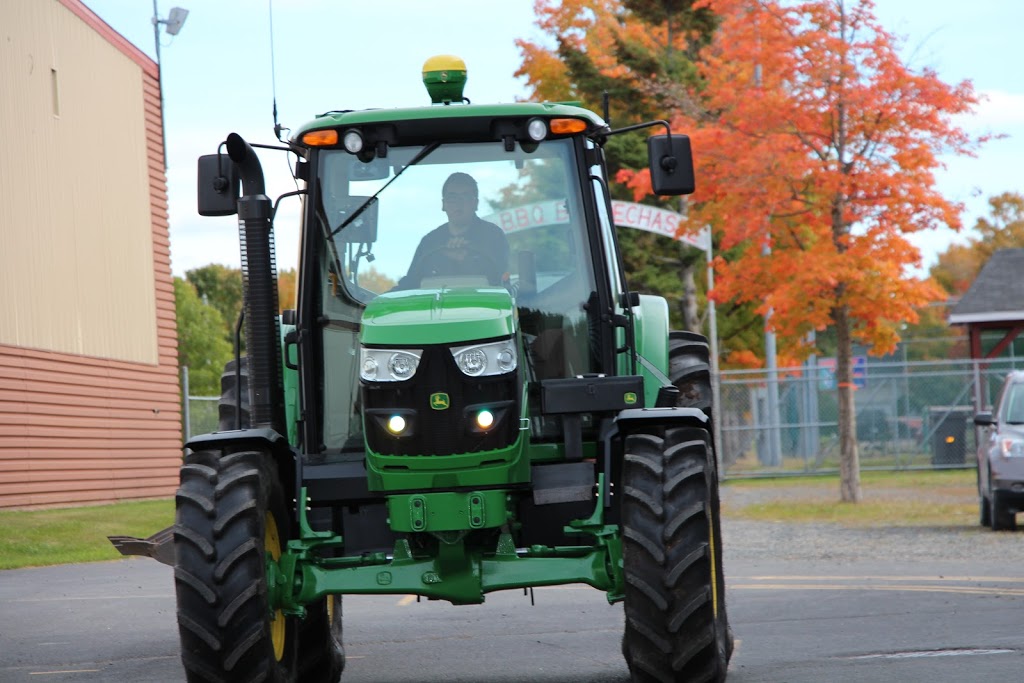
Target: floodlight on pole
<point>172,24</point>
<point>175,20</point>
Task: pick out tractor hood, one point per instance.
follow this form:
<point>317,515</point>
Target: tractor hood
<point>438,316</point>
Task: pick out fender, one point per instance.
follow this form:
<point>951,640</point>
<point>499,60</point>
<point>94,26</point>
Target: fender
<point>632,418</point>
<point>287,458</point>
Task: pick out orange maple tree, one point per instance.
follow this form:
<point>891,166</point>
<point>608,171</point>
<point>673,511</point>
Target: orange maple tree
<point>816,148</point>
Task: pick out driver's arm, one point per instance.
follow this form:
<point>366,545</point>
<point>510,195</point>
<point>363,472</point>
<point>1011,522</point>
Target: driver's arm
<point>412,279</point>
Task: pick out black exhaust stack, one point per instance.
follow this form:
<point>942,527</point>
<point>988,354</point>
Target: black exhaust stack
<point>259,285</point>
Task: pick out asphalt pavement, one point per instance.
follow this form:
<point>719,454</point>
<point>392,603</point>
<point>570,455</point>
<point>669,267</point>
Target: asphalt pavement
<point>795,622</point>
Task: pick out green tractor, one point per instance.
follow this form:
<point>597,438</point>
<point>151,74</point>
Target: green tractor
<point>441,417</point>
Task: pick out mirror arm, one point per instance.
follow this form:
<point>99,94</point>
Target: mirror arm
<point>293,193</point>
<point>638,126</point>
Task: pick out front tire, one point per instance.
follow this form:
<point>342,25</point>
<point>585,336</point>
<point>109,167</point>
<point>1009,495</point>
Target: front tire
<point>676,629</point>
<point>984,512</point>
<point>1000,515</point>
<point>321,652</point>
<point>230,514</point>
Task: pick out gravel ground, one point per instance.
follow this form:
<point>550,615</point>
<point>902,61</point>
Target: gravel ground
<point>758,540</point>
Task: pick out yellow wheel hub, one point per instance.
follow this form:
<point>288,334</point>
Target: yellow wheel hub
<point>272,545</point>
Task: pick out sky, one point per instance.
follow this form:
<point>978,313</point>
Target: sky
<point>221,73</point>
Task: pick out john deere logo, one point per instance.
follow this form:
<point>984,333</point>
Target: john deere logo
<point>439,401</point>
<point>629,397</point>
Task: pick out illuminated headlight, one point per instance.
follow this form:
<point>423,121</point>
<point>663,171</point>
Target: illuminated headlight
<point>353,141</point>
<point>396,424</point>
<point>388,365</point>
<point>1011,448</point>
<point>479,360</point>
<point>537,129</point>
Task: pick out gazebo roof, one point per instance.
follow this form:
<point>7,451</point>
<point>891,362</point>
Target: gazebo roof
<point>997,294</point>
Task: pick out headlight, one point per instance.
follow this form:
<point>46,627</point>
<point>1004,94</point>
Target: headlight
<point>1011,448</point>
<point>480,360</point>
<point>353,141</point>
<point>388,365</point>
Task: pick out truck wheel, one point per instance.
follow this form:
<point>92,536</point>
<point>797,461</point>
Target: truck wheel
<point>234,392</point>
<point>1002,519</point>
<point>676,629</point>
<point>321,653</point>
<point>689,369</point>
<point>230,514</point>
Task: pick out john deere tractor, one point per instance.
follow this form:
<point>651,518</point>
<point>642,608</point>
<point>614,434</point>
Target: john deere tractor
<point>456,433</point>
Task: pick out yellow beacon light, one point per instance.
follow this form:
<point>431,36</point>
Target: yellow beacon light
<point>445,78</point>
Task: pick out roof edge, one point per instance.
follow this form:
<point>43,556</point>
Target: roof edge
<point>128,48</point>
<point>990,317</point>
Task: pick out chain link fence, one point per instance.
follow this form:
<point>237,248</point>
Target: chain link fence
<point>908,415</point>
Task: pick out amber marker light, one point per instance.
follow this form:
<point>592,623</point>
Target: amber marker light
<point>567,126</point>
<point>320,138</point>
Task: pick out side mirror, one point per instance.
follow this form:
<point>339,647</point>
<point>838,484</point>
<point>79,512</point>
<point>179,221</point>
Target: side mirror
<point>671,164</point>
<point>984,419</point>
<point>218,185</point>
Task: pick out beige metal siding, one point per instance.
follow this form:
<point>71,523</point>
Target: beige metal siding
<point>89,396</point>
<point>75,233</point>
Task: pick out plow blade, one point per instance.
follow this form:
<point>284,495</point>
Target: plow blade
<point>159,546</point>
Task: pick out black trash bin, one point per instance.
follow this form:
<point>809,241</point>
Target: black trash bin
<point>949,434</point>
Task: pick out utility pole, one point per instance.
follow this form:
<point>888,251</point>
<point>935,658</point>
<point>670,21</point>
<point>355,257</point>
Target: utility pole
<point>172,24</point>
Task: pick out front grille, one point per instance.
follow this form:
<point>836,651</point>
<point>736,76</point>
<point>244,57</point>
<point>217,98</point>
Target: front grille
<point>441,432</point>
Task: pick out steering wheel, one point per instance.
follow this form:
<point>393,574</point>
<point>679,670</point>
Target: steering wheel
<point>442,261</point>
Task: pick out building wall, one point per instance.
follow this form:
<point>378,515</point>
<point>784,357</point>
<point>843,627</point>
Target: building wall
<point>89,395</point>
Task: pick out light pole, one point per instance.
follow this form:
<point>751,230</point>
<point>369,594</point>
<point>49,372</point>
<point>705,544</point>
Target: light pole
<point>172,24</point>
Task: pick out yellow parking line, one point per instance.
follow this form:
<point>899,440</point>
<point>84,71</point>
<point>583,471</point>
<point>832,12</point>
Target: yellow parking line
<point>406,600</point>
<point>965,590</point>
<point>861,577</point>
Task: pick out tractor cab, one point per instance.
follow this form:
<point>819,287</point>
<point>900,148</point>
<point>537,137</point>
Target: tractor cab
<point>489,243</point>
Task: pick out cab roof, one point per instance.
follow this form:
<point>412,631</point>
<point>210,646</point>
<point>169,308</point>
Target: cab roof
<point>439,113</point>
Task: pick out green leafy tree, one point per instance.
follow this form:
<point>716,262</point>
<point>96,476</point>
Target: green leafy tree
<point>201,344</point>
<point>220,287</point>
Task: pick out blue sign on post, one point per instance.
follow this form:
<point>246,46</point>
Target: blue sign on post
<point>827,372</point>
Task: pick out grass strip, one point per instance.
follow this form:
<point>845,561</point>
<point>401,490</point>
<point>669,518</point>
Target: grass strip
<point>943,498</point>
<point>36,538</point>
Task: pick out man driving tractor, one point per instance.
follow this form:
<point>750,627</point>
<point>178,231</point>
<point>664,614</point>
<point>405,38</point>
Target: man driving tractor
<point>465,245</point>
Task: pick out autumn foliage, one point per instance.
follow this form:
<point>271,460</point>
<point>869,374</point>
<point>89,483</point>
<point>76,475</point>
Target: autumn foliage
<point>816,150</point>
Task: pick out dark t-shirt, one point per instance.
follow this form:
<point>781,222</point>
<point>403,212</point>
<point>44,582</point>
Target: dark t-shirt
<point>481,250</point>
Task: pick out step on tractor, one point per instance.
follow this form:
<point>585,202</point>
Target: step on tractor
<point>452,407</point>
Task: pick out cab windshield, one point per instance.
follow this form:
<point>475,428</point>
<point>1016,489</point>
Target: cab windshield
<point>531,197</point>
<point>384,225</point>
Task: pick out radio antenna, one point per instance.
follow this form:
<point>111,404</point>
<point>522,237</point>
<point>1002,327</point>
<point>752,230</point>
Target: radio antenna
<point>273,79</point>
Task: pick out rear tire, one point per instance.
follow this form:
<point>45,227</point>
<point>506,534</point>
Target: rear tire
<point>676,628</point>
<point>234,394</point>
<point>230,512</point>
<point>689,370</point>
